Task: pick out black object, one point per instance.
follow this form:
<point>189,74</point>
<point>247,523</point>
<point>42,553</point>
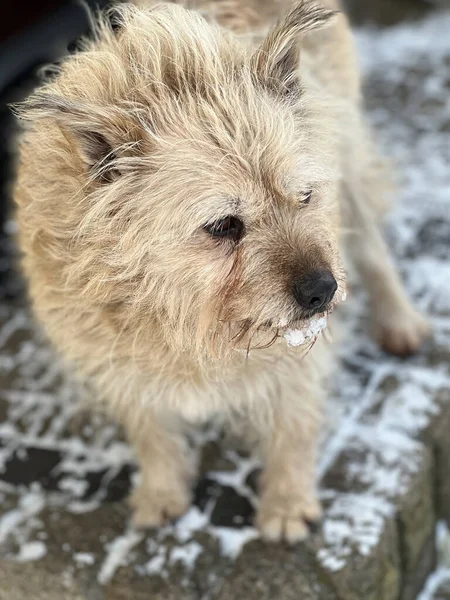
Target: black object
<point>32,35</point>
<point>315,290</point>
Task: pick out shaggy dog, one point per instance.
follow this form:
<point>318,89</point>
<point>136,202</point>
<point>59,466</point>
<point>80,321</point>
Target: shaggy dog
<point>184,184</point>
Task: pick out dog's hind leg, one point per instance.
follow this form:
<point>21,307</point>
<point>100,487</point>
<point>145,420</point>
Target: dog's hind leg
<point>397,325</point>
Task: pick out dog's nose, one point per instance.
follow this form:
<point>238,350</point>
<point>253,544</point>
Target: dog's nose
<point>315,290</point>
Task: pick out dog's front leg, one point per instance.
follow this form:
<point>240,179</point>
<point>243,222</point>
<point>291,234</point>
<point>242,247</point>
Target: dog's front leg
<point>288,501</point>
<point>167,467</point>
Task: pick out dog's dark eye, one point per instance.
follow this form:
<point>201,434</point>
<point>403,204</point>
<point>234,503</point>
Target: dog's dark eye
<point>305,197</point>
<point>229,227</point>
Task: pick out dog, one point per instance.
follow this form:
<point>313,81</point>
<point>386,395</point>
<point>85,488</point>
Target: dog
<point>189,183</point>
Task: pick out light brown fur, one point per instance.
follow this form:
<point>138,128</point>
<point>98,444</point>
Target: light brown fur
<point>137,143</point>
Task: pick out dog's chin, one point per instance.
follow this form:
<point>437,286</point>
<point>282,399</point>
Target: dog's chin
<point>283,326</point>
<point>304,330</point>
<point>253,336</point>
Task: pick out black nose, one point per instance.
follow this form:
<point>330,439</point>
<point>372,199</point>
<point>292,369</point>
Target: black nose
<point>314,290</point>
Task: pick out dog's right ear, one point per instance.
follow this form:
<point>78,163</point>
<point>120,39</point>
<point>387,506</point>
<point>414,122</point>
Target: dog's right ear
<point>102,134</point>
<point>276,62</point>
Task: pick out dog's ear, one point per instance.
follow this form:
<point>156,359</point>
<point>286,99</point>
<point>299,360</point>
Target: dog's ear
<point>276,62</point>
<point>102,134</point>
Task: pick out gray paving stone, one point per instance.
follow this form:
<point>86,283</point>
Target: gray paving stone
<point>273,572</point>
<point>443,592</point>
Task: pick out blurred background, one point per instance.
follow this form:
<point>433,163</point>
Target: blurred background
<point>33,34</point>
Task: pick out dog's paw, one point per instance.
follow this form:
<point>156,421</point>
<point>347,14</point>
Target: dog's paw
<point>156,507</point>
<point>287,520</point>
<point>403,333</point>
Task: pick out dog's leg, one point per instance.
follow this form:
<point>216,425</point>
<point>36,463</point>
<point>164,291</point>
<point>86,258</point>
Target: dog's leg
<point>288,499</point>
<point>397,325</point>
<point>167,467</point>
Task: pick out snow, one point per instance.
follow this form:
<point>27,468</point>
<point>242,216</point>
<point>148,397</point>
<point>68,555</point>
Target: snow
<point>442,574</point>
<point>236,479</point>
<point>155,566</point>
<point>118,554</point>
<point>29,505</point>
<point>84,558</point>
<point>233,540</point>
<point>75,487</point>
<point>31,551</point>
<point>295,337</point>
<point>187,555</point>
<point>194,520</point>
<point>298,337</point>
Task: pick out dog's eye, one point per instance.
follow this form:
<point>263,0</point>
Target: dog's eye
<point>229,227</point>
<point>305,197</point>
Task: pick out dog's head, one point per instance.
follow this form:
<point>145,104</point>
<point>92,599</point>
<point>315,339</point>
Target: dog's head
<point>205,203</point>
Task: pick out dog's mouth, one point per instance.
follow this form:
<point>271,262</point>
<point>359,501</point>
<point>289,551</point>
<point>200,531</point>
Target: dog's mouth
<point>301,331</point>
<point>307,331</point>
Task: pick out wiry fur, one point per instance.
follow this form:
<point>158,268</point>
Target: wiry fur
<point>140,140</point>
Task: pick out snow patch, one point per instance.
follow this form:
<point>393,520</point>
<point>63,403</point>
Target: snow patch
<point>84,558</point>
<point>442,574</point>
<point>298,337</point>
<point>187,555</point>
<point>118,554</point>
<point>31,551</point>
<point>233,540</point>
<point>155,565</point>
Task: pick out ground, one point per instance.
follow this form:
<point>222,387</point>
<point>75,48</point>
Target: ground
<point>384,481</point>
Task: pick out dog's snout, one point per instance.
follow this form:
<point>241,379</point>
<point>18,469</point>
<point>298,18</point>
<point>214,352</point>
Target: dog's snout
<point>314,290</point>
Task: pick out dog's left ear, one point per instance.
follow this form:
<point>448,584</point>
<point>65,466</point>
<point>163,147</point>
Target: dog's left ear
<point>276,62</point>
<point>101,134</point>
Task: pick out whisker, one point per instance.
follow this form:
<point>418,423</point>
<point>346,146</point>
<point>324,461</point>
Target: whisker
<point>310,346</point>
<point>269,344</point>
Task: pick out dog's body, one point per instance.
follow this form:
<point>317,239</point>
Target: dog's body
<point>177,186</point>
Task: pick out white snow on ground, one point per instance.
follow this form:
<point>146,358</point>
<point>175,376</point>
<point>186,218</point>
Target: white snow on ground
<point>11,523</point>
<point>42,403</point>
<point>232,541</point>
<point>84,558</point>
<point>442,573</point>
<point>118,554</point>
<point>31,551</point>
<point>186,554</point>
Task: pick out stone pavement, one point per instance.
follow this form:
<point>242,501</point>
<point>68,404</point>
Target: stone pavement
<point>64,475</point>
